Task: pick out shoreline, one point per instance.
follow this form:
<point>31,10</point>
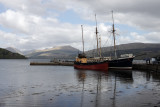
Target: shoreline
<point>148,67</point>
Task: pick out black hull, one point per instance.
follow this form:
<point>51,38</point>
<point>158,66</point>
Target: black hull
<point>125,63</point>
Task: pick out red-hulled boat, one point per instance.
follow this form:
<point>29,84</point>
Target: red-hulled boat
<point>90,64</point>
<point>103,66</point>
<point>82,62</point>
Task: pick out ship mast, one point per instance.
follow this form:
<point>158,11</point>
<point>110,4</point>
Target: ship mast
<point>82,38</point>
<point>100,50</point>
<point>97,35</point>
<point>113,31</point>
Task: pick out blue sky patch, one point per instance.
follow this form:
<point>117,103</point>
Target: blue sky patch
<point>2,8</point>
<point>127,28</point>
<point>5,29</point>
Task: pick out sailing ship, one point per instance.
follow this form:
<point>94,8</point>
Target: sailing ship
<point>124,62</point>
<point>82,62</point>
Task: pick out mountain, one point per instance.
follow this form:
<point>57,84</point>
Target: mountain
<point>67,52</point>
<point>5,54</point>
<point>14,50</point>
<point>55,52</point>
<point>147,49</point>
<point>26,52</point>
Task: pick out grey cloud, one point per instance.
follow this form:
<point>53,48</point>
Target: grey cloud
<point>36,20</point>
<point>136,12</point>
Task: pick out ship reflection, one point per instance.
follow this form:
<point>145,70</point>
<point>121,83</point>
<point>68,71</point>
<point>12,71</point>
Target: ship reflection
<point>81,75</point>
<point>124,77</point>
<point>102,81</point>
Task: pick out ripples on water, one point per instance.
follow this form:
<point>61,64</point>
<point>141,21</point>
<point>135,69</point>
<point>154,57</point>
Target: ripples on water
<point>22,85</point>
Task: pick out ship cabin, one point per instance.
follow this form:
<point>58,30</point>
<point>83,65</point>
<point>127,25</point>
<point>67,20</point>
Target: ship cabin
<point>81,58</point>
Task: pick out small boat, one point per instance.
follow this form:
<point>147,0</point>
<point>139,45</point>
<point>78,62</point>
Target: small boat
<point>125,61</point>
<point>82,62</point>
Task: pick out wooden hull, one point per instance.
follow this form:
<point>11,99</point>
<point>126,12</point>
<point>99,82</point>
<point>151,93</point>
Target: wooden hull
<point>92,66</point>
<point>125,63</point>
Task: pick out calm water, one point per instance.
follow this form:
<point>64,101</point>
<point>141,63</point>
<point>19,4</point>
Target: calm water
<point>22,85</point>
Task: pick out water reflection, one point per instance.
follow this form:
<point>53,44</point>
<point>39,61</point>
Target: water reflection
<point>103,83</point>
<point>111,87</point>
<point>57,86</point>
<point>154,76</point>
<point>124,77</point>
<point>82,76</point>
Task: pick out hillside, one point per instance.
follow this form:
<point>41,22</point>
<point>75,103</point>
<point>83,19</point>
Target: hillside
<point>14,50</point>
<point>5,54</point>
<point>68,52</point>
<point>149,49</point>
<point>55,52</point>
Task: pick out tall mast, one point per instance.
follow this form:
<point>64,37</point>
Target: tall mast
<point>82,38</point>
<point>113,31</point>
<point>100,50</point>
<point>97,35</point>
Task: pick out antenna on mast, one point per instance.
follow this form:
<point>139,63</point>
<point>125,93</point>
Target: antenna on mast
<point>82,38</point>
<point>97,35</point>
<point>113,31</point>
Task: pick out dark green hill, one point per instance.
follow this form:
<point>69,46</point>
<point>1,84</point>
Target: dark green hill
<point>5,54</point>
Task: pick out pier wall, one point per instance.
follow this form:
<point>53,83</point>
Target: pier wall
<point>149,67</point>
<point>53,63</point>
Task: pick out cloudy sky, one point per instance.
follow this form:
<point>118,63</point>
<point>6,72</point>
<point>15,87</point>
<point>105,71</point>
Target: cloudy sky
<point>38,24</point>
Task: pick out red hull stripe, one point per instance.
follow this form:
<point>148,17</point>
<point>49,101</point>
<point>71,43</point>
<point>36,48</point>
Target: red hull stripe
<point>99,66</point>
